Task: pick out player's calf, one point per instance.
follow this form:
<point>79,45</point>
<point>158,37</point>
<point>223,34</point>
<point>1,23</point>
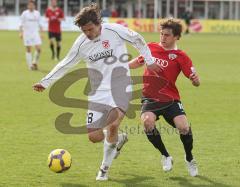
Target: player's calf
<point>95,135</point>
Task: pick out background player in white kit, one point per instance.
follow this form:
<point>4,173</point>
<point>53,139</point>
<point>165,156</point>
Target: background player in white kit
<point>29,31</point>
<point>101,41</point>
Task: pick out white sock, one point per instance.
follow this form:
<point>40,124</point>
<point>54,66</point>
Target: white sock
<point>109,151</point>
<point>29,59</point>
<point>36,57</point>
<point>105,133</point>
<point>120,137</point>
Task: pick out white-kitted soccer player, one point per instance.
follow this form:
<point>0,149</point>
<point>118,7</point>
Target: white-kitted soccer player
<point>29,31</point>
<point>102,46</point>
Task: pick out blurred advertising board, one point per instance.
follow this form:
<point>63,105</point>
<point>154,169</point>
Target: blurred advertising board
<point>139,25</point>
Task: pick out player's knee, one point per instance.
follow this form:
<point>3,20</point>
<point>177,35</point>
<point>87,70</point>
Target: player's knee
<point>114,126</point>
<point>114,119</point>
<point>184,129</point>
<point>148,122</point>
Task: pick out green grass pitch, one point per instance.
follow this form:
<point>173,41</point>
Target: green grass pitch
<point>28,134</point>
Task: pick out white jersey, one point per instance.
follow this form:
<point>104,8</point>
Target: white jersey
<point>30,22</point>
<point>102,54</point>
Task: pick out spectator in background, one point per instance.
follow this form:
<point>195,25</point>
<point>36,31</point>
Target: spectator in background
<point>55,15</point>
<point>114,13</point>
<point>187,16</point>
<point>3,11</point>
<point>106,13</point>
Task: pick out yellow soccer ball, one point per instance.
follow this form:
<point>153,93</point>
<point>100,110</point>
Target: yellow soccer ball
<point>59,160</point>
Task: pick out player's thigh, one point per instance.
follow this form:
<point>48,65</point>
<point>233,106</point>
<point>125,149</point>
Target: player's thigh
<point>150,112</point>
<point>58,38</point>
<point>176,116</point>
<point>37,41</point>
<point>28,49</point>
<point>51,40</point>
<point>181,124</point>
<point>28,42</point>
<point>51,37</point>
<point>38,48</point>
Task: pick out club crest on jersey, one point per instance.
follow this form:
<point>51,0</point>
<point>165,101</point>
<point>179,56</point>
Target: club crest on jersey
<point>172,56</point>
<point>105,44</point>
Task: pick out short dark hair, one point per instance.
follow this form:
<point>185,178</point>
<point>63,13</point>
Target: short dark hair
<point>174,24</point>
<point>31,1</point>
<point>88,14</point>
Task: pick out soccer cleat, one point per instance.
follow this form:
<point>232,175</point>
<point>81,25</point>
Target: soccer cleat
<point>192,167</point>
<point>167,163</point>
<point>34,67</point>
<point>102,175</point>
<point>120,144</point>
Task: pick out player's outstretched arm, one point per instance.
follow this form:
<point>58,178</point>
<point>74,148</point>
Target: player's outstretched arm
<point>137,41</point>
<point>136,62</point>
<point>195,79</point>
<point>38,87</point>
<point>72,59</point>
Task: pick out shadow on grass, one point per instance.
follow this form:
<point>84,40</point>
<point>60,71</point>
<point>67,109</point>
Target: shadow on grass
<point>73,185</point>
<point>135,180</point>
<point>186,183</point>
<point>43,71</point>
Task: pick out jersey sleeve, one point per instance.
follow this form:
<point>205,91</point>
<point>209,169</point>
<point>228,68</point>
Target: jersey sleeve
<point>46,13</point>
<point>186,65</point>
<point>73,58</point>
<point>135,39</point>
<point>39,20</point>
<point>61,14</point>
<point>22,19</point>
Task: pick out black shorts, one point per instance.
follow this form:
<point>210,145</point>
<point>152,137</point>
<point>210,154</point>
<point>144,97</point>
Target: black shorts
<point>168,110</point>
<point>57,36</point>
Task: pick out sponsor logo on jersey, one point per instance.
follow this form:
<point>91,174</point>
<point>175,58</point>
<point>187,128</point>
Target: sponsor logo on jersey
<point>163,63</point>
<point>105,44</point>
<point>32,19</point>
<point>172,56</point>
<point>95,41</point>
<point>101,55</point>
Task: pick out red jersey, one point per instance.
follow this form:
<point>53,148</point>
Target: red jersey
<point>54,24</point>
<point>161,86</point>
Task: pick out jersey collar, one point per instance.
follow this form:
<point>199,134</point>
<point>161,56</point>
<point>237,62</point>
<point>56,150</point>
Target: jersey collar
<point>174,48</point>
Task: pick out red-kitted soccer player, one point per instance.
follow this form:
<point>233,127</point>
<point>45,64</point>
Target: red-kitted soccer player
<point>161,96</point>
<point>55,15</point>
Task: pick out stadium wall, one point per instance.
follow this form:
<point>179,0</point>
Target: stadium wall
<point>139,25</point>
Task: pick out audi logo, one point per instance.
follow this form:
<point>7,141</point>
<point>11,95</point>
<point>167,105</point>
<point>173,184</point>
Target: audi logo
<point>161,62</point>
